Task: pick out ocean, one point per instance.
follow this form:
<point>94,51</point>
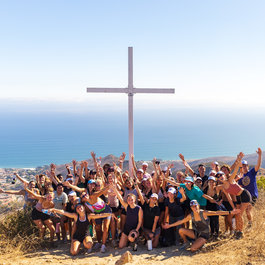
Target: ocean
<point>31,139</point>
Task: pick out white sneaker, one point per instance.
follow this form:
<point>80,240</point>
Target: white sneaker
<point>103,248</point>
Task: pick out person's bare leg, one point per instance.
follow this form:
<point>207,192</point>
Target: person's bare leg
<point>199,242</point>
<point>51,228</point>
<point>184,233</point>
<point>123,241</point>
<point>41,227</point>
<point>75,246</point>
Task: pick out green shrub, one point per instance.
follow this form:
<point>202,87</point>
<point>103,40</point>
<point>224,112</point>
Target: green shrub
<point>261,183</point>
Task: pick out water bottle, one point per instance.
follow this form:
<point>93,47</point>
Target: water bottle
<point>149,244</point>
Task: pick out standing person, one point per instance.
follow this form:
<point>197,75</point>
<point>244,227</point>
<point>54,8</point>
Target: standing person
<point>151,213</point>
<point>60,200</point>
<point>174,212</point>
<point>39,217</point>
<point>200,231</point>
<point>30,201</point>
<point>133,221</point>
<point>81,227</point>
<point>230,186</point>
<point>210,190</point>
<point>249,182</point>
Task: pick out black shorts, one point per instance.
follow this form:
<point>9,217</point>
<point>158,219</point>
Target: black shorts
<point>37,215</point>
<point>114,209</point>
<point>123,211</point>
<point>128,229</point>
<point>254,200</point>
<point>79,237</point>
<point>203,235</point>
<point>227,205</point>
<point>244,197</point>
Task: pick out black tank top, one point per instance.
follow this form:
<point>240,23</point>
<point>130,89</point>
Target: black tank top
<point>82,227</point>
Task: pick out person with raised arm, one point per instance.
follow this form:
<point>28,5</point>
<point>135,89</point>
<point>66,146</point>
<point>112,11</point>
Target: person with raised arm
<point>151,214</point>
<point>249,182</point>
<point>96,205</point>
<point>60,200</point>
<point>30,201</point>
<point>200,231</point>
<point>243,197</point>
<point>193,192</point>
<point>174,212</point>
<point>80,232</point>
<point>159,185</point>
<point>114,204</point>
<point>39,213</point>
<point>121,160</point>
<point>201,170</point>
<point>133,221</point>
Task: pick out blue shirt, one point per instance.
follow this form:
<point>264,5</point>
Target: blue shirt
<point>195,194</point>
<point>248,182</point>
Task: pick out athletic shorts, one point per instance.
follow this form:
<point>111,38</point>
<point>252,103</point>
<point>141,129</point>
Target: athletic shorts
<point>254,200</point>
<point>244,197</point>
<point>37,215</point>
<point>79,237</point>
<point>227,205</point>
<point>114,209</point>
<point>203,235</point>
<point>147,231</point>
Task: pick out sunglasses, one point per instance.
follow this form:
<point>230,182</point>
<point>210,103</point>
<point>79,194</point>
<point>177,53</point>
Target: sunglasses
<point>83,196</point>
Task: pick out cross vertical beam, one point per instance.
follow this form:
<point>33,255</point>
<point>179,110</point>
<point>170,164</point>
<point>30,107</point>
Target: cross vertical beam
<point>130,90</point>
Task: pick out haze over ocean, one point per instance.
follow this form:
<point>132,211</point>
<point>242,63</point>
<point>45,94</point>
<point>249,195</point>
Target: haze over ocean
<point>35,138</point>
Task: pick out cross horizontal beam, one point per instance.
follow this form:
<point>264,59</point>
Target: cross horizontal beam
<point>134,90</point>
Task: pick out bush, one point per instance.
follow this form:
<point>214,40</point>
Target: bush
<point>261,183</point>
<point>18,232</point>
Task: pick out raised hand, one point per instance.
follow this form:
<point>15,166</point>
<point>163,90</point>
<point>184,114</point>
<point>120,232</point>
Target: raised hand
<point>74,162</point>
<point>181,190</point>
<point>93,155</point>
<point>85,163</point>
<point>122,157</point>
<point>53,167</point>
<point>259,151</point>
<point>181,156</point>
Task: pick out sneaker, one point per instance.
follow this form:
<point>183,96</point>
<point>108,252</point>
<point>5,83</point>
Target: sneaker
<point>103,248</point>
<point>185,246</point>
<point>135,246</point>
<point>114,243</point>
<point>238,235</point>
<point>96,247</point>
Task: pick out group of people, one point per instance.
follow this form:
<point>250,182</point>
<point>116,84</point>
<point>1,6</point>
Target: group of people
<point>123,207</point>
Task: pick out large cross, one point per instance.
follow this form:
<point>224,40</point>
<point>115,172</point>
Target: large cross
<point>130,90</point>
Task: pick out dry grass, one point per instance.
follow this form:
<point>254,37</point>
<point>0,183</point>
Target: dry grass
<point>18,234</point>
<point>249,250</point>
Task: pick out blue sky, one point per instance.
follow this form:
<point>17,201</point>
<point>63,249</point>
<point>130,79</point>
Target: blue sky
<point>211,52</point>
